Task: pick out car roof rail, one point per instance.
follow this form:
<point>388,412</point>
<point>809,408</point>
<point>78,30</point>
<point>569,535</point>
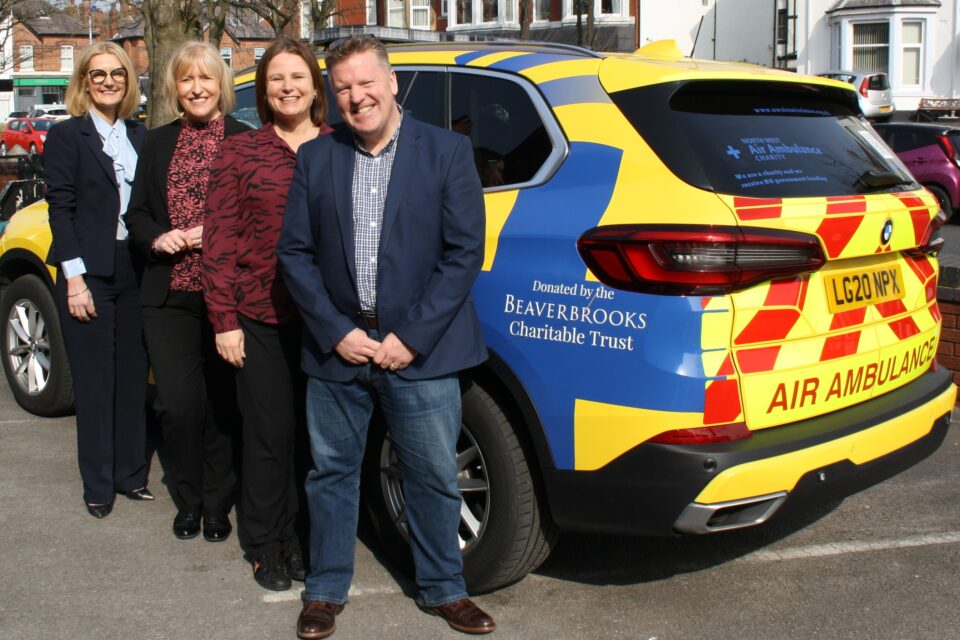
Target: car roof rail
<point>396,37</point>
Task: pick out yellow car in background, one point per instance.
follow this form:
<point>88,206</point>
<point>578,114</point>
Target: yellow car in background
<point>709,295</point>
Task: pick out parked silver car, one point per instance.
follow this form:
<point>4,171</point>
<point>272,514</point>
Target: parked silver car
<point>876,99</point>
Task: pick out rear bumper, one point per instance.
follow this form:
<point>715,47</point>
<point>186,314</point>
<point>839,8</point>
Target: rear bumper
<point>657,489</point>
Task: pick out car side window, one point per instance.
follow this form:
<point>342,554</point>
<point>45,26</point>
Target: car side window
<point>510,141</point>
<point>422,95</point>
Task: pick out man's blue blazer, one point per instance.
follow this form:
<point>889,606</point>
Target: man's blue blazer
<point>431,251</point>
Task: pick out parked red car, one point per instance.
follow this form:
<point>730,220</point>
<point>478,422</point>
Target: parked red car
<point>28,134</point>
<point>932,154</point>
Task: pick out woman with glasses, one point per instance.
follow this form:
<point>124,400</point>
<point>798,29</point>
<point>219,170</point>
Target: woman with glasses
<point>256,325</point>
<point>90,162</point>
<point>195,397</point>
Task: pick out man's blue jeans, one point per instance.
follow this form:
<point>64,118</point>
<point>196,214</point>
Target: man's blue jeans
<point>423,418</point>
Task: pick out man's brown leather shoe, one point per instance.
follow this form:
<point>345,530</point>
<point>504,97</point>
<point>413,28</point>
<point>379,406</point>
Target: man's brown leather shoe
<point>318,619</point>
<point>464,616</point>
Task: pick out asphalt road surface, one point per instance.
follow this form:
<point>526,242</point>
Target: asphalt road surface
<point>882,565</point>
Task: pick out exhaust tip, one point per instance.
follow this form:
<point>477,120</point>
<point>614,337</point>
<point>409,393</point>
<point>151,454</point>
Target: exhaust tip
<point>699,518</point>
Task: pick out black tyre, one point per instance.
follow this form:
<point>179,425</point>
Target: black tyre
<point>505,532</point>
<point>34,357</point>
<point>942,198</point>
<point>33,149</point>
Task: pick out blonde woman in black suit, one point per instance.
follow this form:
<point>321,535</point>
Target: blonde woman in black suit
<point>90,162</point>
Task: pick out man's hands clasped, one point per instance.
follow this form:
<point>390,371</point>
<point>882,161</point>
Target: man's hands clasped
<point>392,354</point>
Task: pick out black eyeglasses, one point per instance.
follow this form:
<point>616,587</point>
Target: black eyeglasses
<point>97,76</point>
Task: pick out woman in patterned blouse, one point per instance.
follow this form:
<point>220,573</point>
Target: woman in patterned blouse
<point>195,394</point>
<point>254,319</point>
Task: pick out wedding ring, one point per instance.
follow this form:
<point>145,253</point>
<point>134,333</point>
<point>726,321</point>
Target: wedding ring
<point>394,366</point>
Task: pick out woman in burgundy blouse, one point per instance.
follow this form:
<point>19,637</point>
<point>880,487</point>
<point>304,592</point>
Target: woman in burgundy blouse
<point>195,398</point>
<point>254,319</point>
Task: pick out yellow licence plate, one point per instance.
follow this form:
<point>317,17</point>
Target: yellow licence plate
<point>854,289</point>
<point>885,109</point>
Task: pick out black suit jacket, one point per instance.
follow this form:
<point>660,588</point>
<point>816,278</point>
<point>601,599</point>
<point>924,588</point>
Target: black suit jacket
<point>148,215</point>
<point>82,194</point>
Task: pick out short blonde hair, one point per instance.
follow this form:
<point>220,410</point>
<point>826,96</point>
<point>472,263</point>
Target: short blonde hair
<point>207,58</point>
<point>78,99</point>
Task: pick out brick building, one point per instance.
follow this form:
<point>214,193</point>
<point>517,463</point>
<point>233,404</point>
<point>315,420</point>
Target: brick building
<point>43,52</point>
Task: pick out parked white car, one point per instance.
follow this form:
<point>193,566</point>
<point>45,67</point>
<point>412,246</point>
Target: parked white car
<point>876,99</point>
<point>51,111</point>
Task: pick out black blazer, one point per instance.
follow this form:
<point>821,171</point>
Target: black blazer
<point>148,215</point>
<point>82,194</point>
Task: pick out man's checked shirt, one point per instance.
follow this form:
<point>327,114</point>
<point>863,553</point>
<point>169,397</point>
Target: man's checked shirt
<point>371,177</point>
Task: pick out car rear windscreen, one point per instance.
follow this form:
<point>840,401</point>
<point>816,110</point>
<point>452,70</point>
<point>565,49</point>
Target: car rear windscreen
<point>763,139</point>
<point>42,125</point>
<point>878,82</point>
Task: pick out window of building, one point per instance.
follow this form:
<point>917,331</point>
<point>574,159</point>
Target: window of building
<point>781,26</point>
<point>420,14</point>
<point>871,46</point>
<point>912,63</point>
<point>371,11</point>
<point>26,57</point>
<point>257,54</point>
<point>602,9</point>
<point>395,13</point>
<point>227,54</point>
<point>306,20</point>
<point>464,11</point>
<point>66,58</point>
<point>541,10</point>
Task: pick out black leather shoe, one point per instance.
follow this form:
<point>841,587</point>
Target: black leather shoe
<point>293,564</point>
<point>464,616</point>
<point>216,528</point>
<point>269,573</point>
<point>186,525</point>
<point>318,619</point>
<point>139,494</point>
<point>100,510</point>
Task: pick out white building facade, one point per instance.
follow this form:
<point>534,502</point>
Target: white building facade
<point>916,42</point>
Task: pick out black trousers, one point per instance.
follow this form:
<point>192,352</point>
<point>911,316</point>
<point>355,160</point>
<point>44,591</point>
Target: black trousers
<point>109,365</point>
<point>196,404</point>
<point>269,392</point>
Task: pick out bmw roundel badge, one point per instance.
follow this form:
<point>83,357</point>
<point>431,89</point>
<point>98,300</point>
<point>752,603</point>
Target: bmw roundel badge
<point>887,232</point>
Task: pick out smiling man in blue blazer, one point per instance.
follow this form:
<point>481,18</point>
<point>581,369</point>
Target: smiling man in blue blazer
<point>382,240</point>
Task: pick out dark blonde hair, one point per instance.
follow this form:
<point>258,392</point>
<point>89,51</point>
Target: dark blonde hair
<point>207,58</point>
<point>78,99</point>
<point>318,110</point>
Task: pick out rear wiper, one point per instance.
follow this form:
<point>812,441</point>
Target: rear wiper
<point>877,180</point>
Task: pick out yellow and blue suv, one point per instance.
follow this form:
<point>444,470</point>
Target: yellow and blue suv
<point>709,295</point>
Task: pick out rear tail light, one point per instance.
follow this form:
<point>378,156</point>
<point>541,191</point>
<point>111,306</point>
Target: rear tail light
<point>948,148</point>
<point>704,435</point>
<point>864,86</point>
<point>932,241</point>
<point>695,260</point>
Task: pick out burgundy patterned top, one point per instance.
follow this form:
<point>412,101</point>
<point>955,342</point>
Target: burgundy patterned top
<point>248,193</point>
<point>187,178</point>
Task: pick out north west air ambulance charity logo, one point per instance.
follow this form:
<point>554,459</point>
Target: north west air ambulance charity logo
<point>886,232</point>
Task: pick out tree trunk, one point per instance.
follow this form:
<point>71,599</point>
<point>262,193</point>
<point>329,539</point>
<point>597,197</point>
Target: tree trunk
<point>216,14</point>
<point>591,36</point>
<point>166,24</point>
<point>578,5</point>
<point>526,17</point>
